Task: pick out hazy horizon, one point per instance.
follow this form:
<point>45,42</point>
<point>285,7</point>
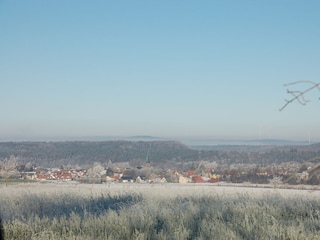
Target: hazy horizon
<point>209,69</point>
<point>209,141</point>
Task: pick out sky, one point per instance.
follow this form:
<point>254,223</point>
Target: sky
<point>176,69</point>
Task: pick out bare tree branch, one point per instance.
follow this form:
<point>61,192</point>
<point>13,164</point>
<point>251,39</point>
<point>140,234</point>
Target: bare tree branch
<point>299,95</point>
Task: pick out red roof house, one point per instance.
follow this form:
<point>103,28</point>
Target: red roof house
<point>197,179</point>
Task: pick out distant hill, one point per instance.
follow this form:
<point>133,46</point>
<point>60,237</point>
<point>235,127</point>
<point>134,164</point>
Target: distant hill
<point>55,154</point>
<point>253,142</point>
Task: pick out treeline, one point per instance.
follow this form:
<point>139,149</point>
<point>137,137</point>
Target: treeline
<point>159,153</point>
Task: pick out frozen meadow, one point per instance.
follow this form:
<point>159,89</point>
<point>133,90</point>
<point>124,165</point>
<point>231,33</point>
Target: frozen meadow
<point>166,190</point>
<point>158,211</point>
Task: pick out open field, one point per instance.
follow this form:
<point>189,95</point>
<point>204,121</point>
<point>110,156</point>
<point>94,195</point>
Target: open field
<point>168,211</point>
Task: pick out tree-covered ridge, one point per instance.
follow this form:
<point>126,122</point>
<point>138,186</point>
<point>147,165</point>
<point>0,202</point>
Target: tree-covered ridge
<point>52,154</point>
<point>55,154</point>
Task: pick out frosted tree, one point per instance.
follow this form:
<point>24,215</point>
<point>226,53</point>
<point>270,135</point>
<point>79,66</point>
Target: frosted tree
<point>96,173</point>
<point>9,168</point>
<point>299,95</point>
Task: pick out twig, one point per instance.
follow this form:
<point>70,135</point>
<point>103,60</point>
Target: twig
<point>299,95</point>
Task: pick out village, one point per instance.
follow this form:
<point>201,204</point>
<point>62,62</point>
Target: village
<point>203,172</point>
<point>158,162</point>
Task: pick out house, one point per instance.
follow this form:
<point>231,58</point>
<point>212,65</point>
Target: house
<point>117,172</point>
<point>139,180</point>
<point>197,179</point>
<point>41,176</point>
<point>214,176</point>
<point>112,178</point>
<point>29,175</point>
<point>128,175</point>
<point>66,177</point>
<point>213,180</point>
<point>261,172</point>
<point>183,179</point>
<point>190,173</point>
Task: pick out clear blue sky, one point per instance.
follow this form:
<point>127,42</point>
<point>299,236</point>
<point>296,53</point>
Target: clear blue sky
<point>162,68</point>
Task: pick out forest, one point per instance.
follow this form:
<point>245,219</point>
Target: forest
<point>159,153</point>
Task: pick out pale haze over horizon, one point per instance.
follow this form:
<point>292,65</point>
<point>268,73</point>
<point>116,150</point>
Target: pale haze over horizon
<point>206,69</point>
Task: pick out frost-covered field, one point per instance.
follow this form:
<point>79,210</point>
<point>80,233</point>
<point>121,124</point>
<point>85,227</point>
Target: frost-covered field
<point>164,190</point>
<point>159,211</point>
